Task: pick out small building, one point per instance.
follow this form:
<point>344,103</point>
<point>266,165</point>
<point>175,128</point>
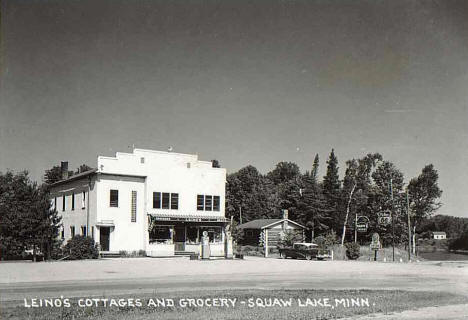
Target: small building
<point>439,235</point>
<point>270,231</point>
<point>159,202</point>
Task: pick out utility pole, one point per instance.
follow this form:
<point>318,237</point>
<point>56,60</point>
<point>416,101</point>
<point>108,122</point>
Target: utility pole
<point>409,225</point>
<point>393,223</point>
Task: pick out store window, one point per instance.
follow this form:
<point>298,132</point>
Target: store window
<point>214,233</point>
<point>161,234</point>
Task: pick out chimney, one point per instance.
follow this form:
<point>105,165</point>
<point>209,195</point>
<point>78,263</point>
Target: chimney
<point>64,169</point>
<point>285,214</point>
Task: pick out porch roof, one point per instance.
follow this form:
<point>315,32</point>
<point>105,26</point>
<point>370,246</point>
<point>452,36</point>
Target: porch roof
<point>187,217</point>
<point>266,223</point>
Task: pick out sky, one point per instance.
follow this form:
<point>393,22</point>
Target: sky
<point>244,82</point>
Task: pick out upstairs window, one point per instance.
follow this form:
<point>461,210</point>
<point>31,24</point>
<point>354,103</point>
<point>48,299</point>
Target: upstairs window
<point>114,198</point>
<point>200,202</point>
<point>73,201</point>
<point>216,203</point>
<point>208,203</point>
<point>174,201</point>
<point>157,200</point>
<point>165,200</point>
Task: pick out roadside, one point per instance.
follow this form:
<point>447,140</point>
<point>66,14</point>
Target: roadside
<point>237,304</point>
<point>449,312</point>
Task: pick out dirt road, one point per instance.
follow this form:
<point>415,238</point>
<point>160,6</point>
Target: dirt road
<point>146,275</point>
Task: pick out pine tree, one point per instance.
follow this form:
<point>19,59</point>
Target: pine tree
<point>315,168</point>
<point>331,181</point>
<point>331,190</point>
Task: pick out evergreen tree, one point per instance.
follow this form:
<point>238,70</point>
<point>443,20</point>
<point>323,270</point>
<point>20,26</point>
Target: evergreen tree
<point>331,190</point>
<point>312,209</point>
<point>331,181</point>
<point>315,168</point>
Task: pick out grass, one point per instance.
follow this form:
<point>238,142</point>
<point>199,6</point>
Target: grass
<point>379,301</point>
<point>384,254</point>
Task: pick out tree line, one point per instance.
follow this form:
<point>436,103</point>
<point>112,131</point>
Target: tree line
<point>329,204</point>
<point>370,185</point>
<point>28,222</point>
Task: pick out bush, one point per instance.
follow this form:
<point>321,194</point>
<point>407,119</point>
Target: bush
<point>352,250</point>
<point>288,238</point>
<point>80,247</point>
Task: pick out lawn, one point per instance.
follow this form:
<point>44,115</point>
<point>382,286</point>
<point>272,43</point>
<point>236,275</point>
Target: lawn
<point>238,304</point>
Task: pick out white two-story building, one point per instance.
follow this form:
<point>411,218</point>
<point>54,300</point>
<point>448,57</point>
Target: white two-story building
<point>159,202</point>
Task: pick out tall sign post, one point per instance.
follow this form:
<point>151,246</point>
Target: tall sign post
<point>409,225</point>
<point>393,223</point>
<point>375,244</point>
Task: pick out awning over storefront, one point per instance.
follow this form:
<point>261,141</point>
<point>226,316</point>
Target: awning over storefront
<point>187,218</point>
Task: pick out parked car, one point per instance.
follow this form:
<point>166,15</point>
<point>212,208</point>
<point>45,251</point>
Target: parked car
<point>304,250</point>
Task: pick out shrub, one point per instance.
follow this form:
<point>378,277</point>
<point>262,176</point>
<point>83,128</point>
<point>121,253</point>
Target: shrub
<point>331,239</point>
<point>141,253</point>
<point>288,238</point>
<point>80,247</point>
<point>352,250</point>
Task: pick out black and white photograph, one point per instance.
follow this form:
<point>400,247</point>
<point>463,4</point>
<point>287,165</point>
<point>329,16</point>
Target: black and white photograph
<point>234,159</point>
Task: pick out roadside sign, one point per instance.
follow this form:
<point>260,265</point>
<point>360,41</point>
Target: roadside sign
<point>384,221</point>
<point>362,223</point>
<point>375,244</point>
<point>384,218</point>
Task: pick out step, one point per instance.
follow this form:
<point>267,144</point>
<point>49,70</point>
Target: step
<point>183,253</point>
<point>109,254</point>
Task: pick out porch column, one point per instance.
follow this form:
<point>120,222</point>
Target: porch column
<point>266,243</point>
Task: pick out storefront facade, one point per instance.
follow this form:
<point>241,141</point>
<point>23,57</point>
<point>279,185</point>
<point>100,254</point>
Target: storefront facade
<point>159,202</point>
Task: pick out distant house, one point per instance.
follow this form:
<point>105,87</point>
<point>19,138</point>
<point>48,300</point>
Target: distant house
<point>439,235</point>
<point>271,231</point>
